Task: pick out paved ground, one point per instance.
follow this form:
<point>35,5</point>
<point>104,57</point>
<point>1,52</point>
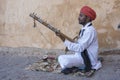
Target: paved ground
<point>14,60</point>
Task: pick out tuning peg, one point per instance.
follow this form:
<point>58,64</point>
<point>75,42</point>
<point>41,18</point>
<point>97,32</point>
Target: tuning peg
<point>33,13</point>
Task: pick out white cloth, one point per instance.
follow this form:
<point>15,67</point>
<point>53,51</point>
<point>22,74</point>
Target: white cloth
<point>87,41</point>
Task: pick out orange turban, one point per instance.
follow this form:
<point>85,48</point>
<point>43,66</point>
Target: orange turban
<point>88,12</point>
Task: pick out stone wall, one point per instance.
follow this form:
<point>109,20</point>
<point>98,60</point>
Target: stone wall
<point>16,27</point>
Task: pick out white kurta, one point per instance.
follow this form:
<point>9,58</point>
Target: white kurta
<point>88,40</point>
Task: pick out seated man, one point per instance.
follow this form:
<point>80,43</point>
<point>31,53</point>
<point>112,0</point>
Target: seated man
<point>85,48</point>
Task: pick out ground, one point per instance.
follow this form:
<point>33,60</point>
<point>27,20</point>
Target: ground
<point>13,62</point>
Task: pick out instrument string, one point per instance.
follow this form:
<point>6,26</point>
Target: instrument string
<point>35,25</point>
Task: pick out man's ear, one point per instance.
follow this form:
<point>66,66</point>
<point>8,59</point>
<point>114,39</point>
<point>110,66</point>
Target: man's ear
<point>88,19</point>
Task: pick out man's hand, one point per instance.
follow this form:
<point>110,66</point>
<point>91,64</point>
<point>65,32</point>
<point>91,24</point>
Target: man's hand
<point>60,36</point>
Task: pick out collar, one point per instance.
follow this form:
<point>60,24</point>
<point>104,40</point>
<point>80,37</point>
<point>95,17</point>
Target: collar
<point>87,25</point>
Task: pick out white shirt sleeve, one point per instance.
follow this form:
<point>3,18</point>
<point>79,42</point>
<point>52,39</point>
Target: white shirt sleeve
<point>82,43</point>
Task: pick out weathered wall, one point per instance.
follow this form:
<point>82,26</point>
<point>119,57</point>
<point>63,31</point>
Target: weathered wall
<point>16,26</point>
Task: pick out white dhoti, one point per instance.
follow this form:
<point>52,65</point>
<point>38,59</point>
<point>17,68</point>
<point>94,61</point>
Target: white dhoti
<point>68,61</point>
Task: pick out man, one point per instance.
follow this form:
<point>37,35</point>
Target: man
<point>85,48</point>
